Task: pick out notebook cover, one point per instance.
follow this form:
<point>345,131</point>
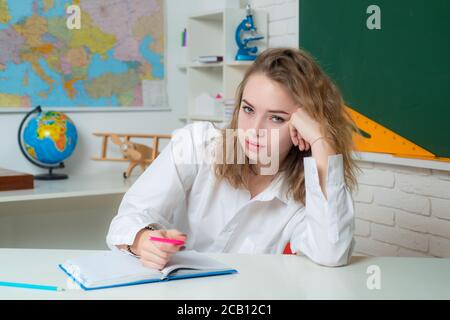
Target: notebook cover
<point>175,277</point>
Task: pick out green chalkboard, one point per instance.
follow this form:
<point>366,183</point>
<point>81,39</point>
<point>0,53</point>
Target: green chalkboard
<point>399,75</point>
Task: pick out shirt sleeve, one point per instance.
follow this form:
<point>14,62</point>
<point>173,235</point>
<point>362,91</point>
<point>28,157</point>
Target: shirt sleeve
<point>324,233</point>
<point>158,191</point>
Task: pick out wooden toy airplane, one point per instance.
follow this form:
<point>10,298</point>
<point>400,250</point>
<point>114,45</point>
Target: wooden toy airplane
<point>134,153</point>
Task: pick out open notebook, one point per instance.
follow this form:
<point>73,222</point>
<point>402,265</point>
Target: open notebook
<point>115,268</point>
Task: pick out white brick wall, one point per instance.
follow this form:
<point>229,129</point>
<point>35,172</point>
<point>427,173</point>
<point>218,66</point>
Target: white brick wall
<point>283,21</point>
<point>400,211</point>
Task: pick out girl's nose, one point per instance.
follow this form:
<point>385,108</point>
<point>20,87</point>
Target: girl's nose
<point>261,132</point>
<point>259,128</point>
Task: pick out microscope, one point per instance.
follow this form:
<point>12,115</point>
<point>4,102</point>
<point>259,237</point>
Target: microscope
<point>245,52</point>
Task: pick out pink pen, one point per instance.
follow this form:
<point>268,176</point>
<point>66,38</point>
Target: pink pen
<point>167,240</point>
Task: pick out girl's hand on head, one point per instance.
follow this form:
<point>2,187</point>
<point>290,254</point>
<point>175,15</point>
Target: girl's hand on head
<point>303,129</point>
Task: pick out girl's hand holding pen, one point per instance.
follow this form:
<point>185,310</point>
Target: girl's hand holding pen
<point>156,252</point>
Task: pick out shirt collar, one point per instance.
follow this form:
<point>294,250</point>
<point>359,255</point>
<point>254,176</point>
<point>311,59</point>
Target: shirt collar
<point>277,189</point>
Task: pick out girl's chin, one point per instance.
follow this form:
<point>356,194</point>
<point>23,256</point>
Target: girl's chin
<point>252,155</point>
<point>257,156</point>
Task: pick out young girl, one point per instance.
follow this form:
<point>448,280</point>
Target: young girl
<point>293,185</point>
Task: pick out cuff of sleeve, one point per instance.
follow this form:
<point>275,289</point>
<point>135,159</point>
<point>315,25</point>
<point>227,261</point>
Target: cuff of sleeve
<point>335,171</point>
<point>128,236</point>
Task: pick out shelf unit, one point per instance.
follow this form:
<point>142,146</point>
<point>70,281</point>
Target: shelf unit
<point>213,33</point>
<point>72,214</point>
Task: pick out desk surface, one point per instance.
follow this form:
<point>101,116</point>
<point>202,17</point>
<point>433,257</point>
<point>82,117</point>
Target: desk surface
<point>260,277</point>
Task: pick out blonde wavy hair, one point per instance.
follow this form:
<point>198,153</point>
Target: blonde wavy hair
<point>311,89</point>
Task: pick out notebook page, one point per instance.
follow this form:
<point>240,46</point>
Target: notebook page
<point>191,259</point>
<point>109,268</point>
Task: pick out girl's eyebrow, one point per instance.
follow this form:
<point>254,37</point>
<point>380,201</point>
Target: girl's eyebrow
<point>271,111</point>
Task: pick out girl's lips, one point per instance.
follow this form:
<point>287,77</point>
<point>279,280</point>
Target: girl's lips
<point>252,144</point>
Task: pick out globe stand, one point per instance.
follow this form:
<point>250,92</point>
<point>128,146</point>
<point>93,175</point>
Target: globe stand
<point>51,176</point>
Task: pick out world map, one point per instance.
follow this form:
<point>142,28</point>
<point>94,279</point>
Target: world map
<point>118,47</point>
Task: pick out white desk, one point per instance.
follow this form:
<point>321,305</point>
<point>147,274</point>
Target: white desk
<point>260,277</point>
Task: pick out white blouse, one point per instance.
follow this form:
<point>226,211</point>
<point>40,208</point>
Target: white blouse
<point>179,190</point>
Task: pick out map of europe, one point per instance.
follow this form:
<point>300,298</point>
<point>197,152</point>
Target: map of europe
<point>119,45</point>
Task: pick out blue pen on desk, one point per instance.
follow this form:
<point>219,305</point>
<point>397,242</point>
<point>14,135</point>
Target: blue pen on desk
<point>30,286</point>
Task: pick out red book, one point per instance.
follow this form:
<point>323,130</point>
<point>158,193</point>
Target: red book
<point>13,180</point>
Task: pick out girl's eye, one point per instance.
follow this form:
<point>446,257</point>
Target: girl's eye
<point>277,119</point>
<point>247,109</point>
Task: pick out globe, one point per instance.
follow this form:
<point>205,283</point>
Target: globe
<point>47,139</point>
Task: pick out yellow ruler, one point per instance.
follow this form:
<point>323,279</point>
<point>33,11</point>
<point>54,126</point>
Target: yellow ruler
<point>373,137</point>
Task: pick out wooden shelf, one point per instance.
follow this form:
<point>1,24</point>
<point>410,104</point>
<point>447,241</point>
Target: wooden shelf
<point>239,63</point>
<point>244,64</point>
<point>205,118</point>
<point>206,65</point>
